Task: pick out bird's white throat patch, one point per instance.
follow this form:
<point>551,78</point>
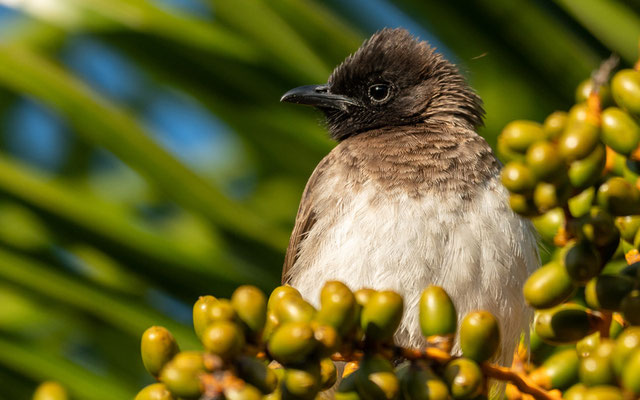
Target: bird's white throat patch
<point>479,251</point>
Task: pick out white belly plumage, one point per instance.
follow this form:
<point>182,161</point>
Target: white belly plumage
<point>479,251</point>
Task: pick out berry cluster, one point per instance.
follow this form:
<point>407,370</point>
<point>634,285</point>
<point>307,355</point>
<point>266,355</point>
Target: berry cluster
<point>578,177</point>
<point>284,348</point>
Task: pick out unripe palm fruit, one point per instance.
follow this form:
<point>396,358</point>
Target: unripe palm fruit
<point>548,223</point>
<point>157,347</point>
<point>292,308</point>
<point>221,310</point>
<point>464,378</point>
<point>257,373</point>
<point>363,296</point>
<point>224,339</point>
<point>584,90</point>
<point>327,337</point>
<point>338,307</point>
<point>587,346</point>
<point>270,326</point>
<point>250,304</point>
<point>201,313</point>
<point>577,114</point>
<point>182,374</point>
<point>539,349</point>
<point>50,391</point>
<point>547,196</point>
<point>301,383</point>
<point>519,135</point>
<point>554,124</point>
<point>347,387</point>
<point>631,373</point>
<point>632,271</point>
<point>585,172</point>
<point>376,379</point>
<point>606,292</point>
<point>630,307</point>
<point>328,373</point>
<point>156,391</point>
<point>566,323</point>
<point>381,316</point>
<point>559,371</point>
<point>437,313</point>
<point>522,205</point>
<point>505,153</point>
<point>548,286</point>
<point>603,393</point>
<point>596,369</point>
<point>517,177</point>
<point>628,226</point>
<point>479,336</point>
<point>582,262</point>
<point>423,384</point>
<point>292,342</point>
<point>626,344</point>
<point>619,197</point>
<point>620,131</point>
<point>598,228</point>
<point>580,204</point>
<point>580,137</point>
<point>578,141</point>
<point>543,159</point>
<point>278,293</point>
<point>576,392</point>
<point>243,392</point>
<point>625,87</point>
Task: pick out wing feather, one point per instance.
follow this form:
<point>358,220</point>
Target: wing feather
<point>305,219</point>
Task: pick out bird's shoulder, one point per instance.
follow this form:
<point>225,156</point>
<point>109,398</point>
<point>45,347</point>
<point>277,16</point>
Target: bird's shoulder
<point>306,216</point>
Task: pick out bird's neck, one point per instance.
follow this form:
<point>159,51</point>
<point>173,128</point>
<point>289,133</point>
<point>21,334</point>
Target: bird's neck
<point>434,156</point>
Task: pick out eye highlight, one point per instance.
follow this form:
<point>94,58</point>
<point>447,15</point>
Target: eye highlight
<point>379,92</point>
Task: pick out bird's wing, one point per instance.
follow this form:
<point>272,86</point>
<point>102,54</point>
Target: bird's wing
<point>305,218</point>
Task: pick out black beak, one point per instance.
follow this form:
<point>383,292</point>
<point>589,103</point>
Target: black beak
<point>317,96</point>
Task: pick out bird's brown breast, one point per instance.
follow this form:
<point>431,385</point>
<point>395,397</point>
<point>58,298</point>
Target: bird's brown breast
<point>418,159</point>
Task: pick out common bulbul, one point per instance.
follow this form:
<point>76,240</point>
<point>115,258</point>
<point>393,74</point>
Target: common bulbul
<point>411,195</point>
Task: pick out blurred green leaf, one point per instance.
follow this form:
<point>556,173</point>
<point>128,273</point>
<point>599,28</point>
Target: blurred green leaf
<point>612,22</point>
<point>41,364</point>
<point>116,225</point>
<point>128,315</point>
<point>103,123</point>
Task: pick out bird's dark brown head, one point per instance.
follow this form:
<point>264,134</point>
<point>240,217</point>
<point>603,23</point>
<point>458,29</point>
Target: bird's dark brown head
<point>393,79</point>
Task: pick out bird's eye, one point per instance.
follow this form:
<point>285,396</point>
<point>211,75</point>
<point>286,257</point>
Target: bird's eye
<point>379,92</point>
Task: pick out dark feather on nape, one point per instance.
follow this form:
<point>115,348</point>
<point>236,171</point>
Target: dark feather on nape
<point>424,85</point>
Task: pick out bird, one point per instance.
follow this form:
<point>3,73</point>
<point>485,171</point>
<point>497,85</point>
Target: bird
<point>411,194</point>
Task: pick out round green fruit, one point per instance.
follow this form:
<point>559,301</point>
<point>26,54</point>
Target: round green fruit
<point>548,286</point>
<point>250,304</point>
<point>338,307</point>
<point>464,378</point>
<point>182,374</point>
<point>437,313</point>
<point>625,87</point>
<point>479,336</point>
<point>157,347</point>
<point>156,391</point>
<point>565,323</point>
<point>292,342</point>
<point>224,339</point>
<point>517,177</point>
<point>381,316</point>
<point>519,135</point>
<point>554,124</point>
<point>51,391</point>
<point>620,131</point>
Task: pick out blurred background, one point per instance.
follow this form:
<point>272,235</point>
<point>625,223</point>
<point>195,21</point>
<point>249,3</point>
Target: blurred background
<point>145,158</point>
